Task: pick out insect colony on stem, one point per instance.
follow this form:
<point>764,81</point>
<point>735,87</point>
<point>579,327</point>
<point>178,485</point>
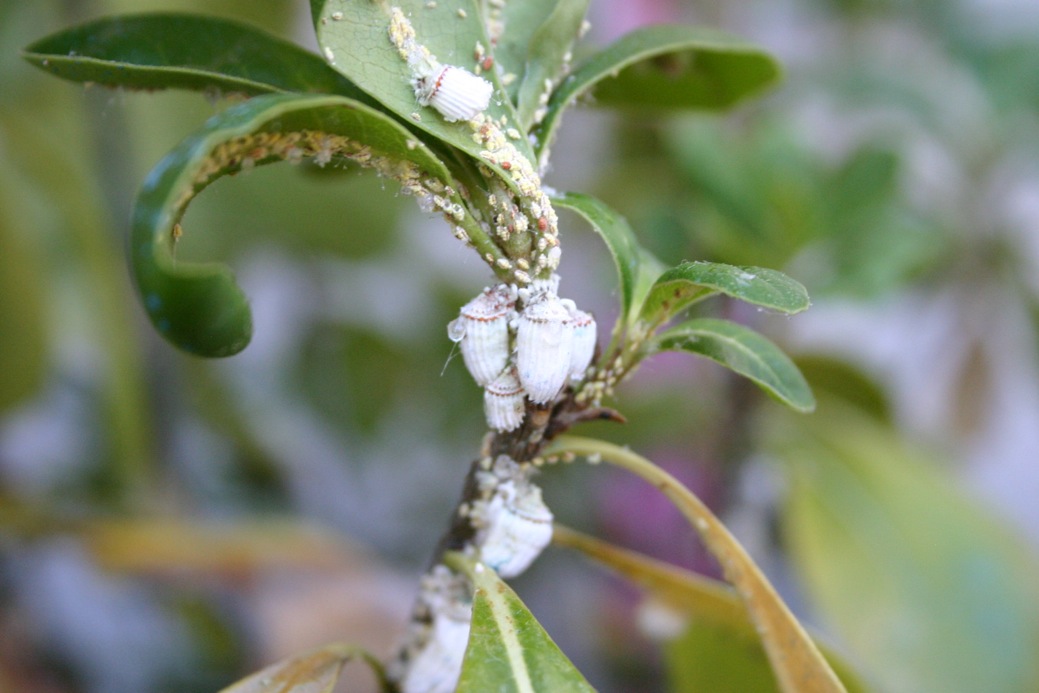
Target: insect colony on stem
<point>553,344</point>
<point>512,527</point>
<point>519,340</point>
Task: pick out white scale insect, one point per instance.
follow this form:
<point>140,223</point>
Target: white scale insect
<point>584,328</point>
<point>517,526</point>
<point>482,332</point>
<point>503,402</point>
<point>453,91</point>
<point>544,347</point>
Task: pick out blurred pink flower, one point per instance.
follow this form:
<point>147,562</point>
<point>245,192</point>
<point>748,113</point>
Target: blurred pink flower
<point>614,18</point>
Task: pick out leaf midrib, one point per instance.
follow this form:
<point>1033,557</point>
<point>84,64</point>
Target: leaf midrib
<point>510,640</point>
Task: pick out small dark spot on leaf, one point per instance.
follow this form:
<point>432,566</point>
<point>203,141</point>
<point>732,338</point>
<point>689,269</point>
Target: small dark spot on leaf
<point>672,64</point>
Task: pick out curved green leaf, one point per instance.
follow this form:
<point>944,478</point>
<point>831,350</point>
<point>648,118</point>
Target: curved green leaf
<point>929,591</point>
<point>547,56</point>
<point>668,66</point>
<point>681,286</point>
<point>181,51</point>
<point>719,627</point>
<point>700,597</point>
<point>508,649</point>
<point>199,307</point>
<point>636,267</point>
<point>316,671</point>
<point>744,351</point>
<point>355,38</point>
<point>798,665</point>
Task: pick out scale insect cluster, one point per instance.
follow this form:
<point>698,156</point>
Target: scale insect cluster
<point>530,353</point>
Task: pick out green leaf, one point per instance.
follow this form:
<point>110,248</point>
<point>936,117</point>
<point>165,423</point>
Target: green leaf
<point>181,51</point>
<point>926,589</point>
<point>636,267</point>
<point>199,307</point>
<point>798,664</point>
<point>522,20</point>
<point>716,615</point>
<point>355,37</point>
<point>316,671</point>
<point>707,657</point>
<point>744,351</point>
<point>681,286</point>
<point>508,649</point>
<point>668,66</point>
<point>695,594</point>
<point>831,376</point>
<point>546,56</point>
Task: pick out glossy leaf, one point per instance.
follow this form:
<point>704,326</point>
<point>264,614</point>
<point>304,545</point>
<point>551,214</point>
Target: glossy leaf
<point>798,665</point>
<point>181,51</point>
<point>690,282</point>
<point>744,351</point>
<point>715,613</point>
<point>546,56</point>
<point>668,66</point>
<point>355,38</point>
<point>508,649</point>
<point>636,267</point>
<point>199,307</point>
<point>928,591</point>
<point>316,671</point>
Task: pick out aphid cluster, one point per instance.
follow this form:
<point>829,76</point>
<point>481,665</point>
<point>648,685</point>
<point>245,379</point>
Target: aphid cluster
<point>523,221</point>
<point>453,91</point>
<point>523,213</point>
<point>517,354</point>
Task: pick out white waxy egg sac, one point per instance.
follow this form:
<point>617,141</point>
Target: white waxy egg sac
<point>482,331</point>
<point>454,92</point>
<point>544,345</point>
<point>503,402</point>
<point>437,666</point>
<point>583,325</point>
<point>517,528</point>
